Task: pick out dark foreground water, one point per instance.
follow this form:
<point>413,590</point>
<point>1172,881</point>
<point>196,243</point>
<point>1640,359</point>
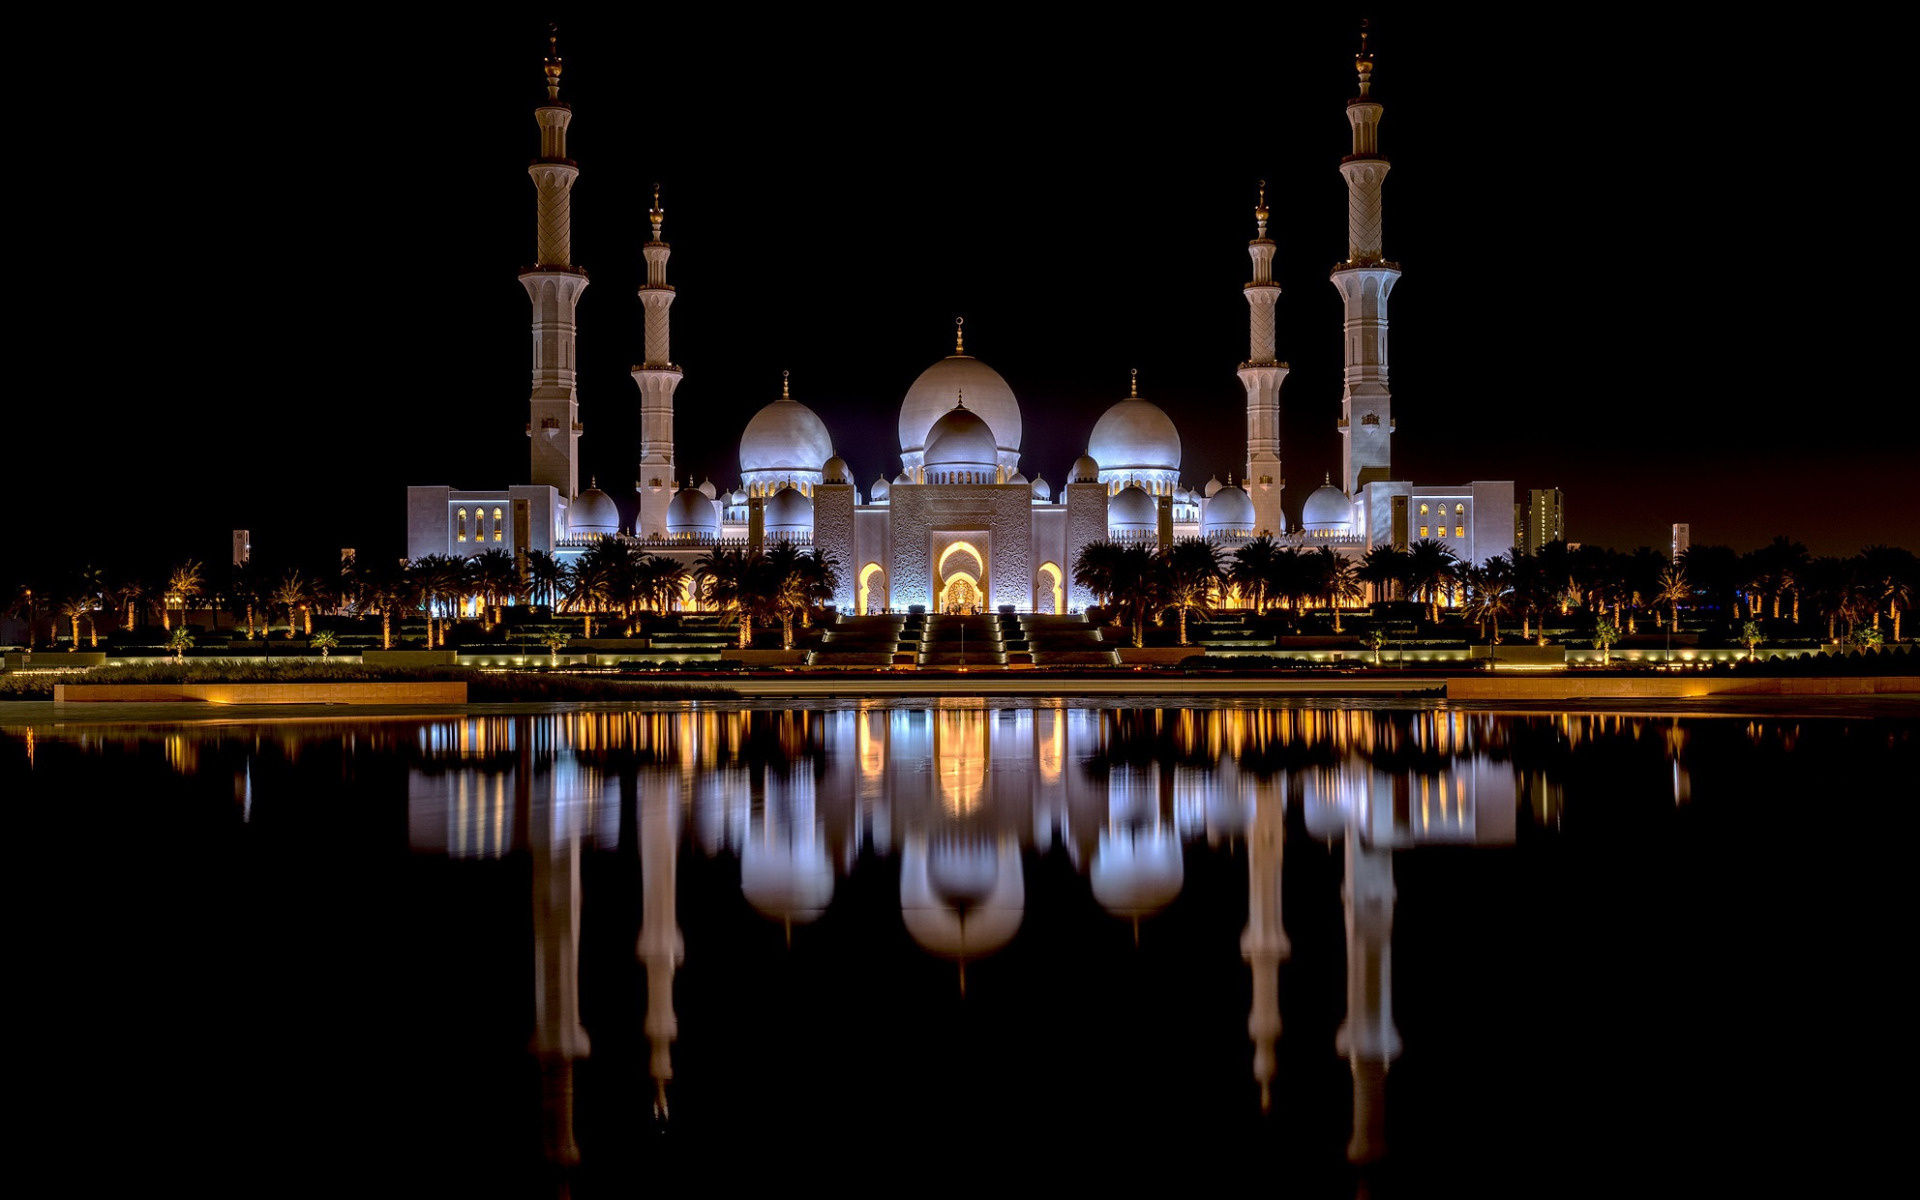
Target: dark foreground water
<point>1309,949</point>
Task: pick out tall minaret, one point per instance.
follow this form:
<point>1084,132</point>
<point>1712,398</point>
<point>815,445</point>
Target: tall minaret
<point>554,285</point>
<point>657,377</point>
<point>1364,280</point>
<point>1261,375</point>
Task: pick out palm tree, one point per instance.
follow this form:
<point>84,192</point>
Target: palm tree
<point>1642,582</point>
<point>733,581</point>
<point>245,591</point>
<point>180,641</point>
<point>291,593</point>
<point>1252,566</point>
<point>1490,593</point>
<point>1381,568</point>
<point>555,640</point>
<point>1605,634</point>
<point>1888,574</point>
<point>1096,568</point>
<point>1290,579</point>
<point>1339,581</point>
<point>1138,586</point>
<point>27,607</point>
<point>1715,572</point>
<point>187,581</point>
<point>662,581</point>
<point>544,576</point>
<point>72,608</point>
<point>381,590</point>
<point>1191,572</point>
<point>1430,567</point>
<point>495,577</point>
<point>1752,635</point>
<point>1673,589</point>
<point>1376,638</point>
<point>127,595</point>
<point>324,641</point>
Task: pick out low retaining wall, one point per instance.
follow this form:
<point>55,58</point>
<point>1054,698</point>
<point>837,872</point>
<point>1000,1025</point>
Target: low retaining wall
<point>409,658</point>
<point>1615,687</point>
<point>1521,656</point>
<point>56,660</point>
<point>765,658</point>
<point>1157,656</point>
<point>405,692</point>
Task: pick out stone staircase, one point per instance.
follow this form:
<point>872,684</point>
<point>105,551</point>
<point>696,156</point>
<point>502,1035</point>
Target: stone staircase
<point>948,641</point>
<point>861,642</point>
<point>1061,641</point>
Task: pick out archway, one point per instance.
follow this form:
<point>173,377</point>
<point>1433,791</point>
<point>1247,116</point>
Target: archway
<point>961,595</point>
<point>1050,596</point>
<point>870,600</point>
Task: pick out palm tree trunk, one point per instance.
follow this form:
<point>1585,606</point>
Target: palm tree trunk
<point>1796,606</point>
<point>306,620</point>
<point>786,630</point>
<point>1830,621</point>
<point>76,632</point>
<point>386,630</point>
<point>166,619</point>
<point>746,630</point>
<point>129,618</point>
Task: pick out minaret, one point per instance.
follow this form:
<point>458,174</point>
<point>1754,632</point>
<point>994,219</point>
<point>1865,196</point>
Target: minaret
<point>1364,280</point>
<point>1262,375</point>
<point>554,285</point>
<point>657,377</point>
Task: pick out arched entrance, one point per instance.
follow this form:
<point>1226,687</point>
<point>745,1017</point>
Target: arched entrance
<point>872,596</point>
<point>961,596</point>
<point>1049,596</point>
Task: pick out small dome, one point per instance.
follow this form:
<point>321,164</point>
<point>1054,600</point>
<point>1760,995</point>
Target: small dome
<point>785,881</point>
<point>785,436</point>
<point>737,499</point>
<point>592,513</point>
<point>1042,490</point>
<point>789,512</point>
<point>1085,470</point>
<point>962,440</point>
<point>1019,478</point>
<point>691,512</point>
<point>962,901</point>
<point>880,489</point>
<point>942,385</point>
<point>1327,511</point>
<point>1134,435</point>
<point>1214,485</point>
<point>1138,873</point>
<point>708,490</point>
<point>835,471</point>
<point>1228,511</point>
<point>901,478</point>
<point>1132,511</point>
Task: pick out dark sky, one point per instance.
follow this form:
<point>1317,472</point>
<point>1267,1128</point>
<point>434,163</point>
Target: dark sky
<point>277,261</point>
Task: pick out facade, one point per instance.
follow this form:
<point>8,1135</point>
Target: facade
<point>958,526</point>
<point>1682,538</point>
<point>1540,519</point>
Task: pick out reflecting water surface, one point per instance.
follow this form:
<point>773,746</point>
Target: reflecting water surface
<point>565,951</point>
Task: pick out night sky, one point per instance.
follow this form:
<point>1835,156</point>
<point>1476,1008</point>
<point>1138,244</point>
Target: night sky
<point>273,266</point>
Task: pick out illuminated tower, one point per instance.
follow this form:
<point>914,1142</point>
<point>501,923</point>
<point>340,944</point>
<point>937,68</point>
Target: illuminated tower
<point>1365,280</point>
<point>1261,375</point>
<point>657,377</point>
<point>554,285</point>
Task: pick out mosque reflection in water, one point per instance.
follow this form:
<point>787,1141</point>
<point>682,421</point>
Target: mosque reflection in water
<point>964,800</point>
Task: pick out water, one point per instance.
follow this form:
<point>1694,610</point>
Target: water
<point>1386,949</point>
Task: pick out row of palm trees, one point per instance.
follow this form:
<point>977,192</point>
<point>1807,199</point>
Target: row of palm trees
<point>1714,582</point>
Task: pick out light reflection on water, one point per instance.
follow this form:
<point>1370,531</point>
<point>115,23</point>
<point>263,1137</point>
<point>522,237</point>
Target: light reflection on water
<point>960,803</point>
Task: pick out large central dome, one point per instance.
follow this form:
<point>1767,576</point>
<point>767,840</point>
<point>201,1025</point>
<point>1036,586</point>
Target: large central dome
<point>1134,435</point>
<point>785,436</point>
<point>941,386</point>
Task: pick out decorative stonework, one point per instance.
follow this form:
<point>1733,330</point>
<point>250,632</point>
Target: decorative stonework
<point>924,515</point>
<point>1086,524</point>
<point>833,536</point>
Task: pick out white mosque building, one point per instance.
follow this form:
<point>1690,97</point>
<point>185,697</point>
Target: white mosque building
<point>958,525</point>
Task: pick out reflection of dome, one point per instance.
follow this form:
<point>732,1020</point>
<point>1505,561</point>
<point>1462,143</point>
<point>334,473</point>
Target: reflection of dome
<point>962,441</point>
<point>1085,470</point>
<point>785,881</point>
<point>835,471</point>
<point>593,513</point>
<point>1327,511</point>
<point>1132,511</point>
<point>788,513</point>
<point>1137,873</point>
<point>691,512</point>
<point>880,490</point>
<point>785,436</point>
<point>1042,490</point>
<point>1228,511</point>
<point>962,901</point>
<point>1134,435</point>
<point>939,388</point>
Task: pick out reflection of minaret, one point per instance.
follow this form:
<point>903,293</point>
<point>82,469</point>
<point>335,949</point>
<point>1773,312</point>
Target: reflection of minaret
<point>1264,945</point>
<point>554,285</point>
<point>559,1040</point>
<point>661,948</point>
<point>1367,1037</point>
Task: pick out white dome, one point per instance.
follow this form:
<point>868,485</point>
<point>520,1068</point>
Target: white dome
<point>592,513</point>
<point>1138,873</point>
<point>1214,485</point>
<point>1132,511</point>
<point>784,881</point>
<point>736,498</point>
<point>708,490</point>
<point>1085,470</point>
<point>941,386</point>
<point>1042,490</point>
<point>835,471</point>
<point>691,511</point>
<point>785,436</point>
<point>1134,435</point>
<point>1020,478</point>
<point>1327,511</point>
<point>1229,510</point>
<point>962,439</point>
<point>962,901</point>
<point>880,490</point>
<point>901,478</point>
<point>789,512</point>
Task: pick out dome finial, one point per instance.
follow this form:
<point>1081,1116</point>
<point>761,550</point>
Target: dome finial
<point>1326,479</point>
<point>1135,393</point>
<point>959,336</point>
<point>593,482</point>
<point>784,395</point>
<point>1363,61</point>
<point>553,62</point>
<point>1260,210</point>
<point>959,397</point>
<point>656,214</point>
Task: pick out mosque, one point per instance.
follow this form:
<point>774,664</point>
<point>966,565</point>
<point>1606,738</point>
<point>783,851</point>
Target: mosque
<point>959,526</point>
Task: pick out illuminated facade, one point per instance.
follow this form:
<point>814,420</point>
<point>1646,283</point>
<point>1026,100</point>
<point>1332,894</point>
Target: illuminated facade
<point>959,526</point>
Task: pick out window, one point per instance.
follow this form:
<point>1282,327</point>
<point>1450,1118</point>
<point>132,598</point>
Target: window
<point>1423,512</point>
<point>1459,510</point>
<point>463,525</point>
<point>1459,531</point>
<point>499,534</point>
<point>1423,528</point>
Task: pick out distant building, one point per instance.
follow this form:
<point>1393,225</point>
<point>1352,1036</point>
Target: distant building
<point>1540,519</point>
<point>346,559</point>
<point>242,547</point>
<point>1682,538</point>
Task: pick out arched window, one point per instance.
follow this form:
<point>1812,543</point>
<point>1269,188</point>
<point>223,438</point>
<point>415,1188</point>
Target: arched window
<point>498,533</point>
<point>462,533</point>
<point>1423,510</point>
<point>1459,510</point>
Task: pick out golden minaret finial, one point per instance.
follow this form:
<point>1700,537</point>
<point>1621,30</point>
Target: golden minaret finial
<point>1363,61</point>
<point>1135,392</point>
<point>959,336</point>
<point>1260,210</point>
<point>656,214</point>
<point>553,62</point>
<point>783,387</point>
